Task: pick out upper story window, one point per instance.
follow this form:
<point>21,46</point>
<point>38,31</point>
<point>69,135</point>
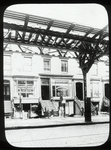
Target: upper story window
<point>47,64</point>
<point>95,89</point>
<point>7,62</point>
<point>64,66</point>
<point>94,69</point>
<point>27,63</point>
<point>107,69</point>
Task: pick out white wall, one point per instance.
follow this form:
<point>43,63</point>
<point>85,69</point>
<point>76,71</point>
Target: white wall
<point>17,66</point>
<point>55,65</point>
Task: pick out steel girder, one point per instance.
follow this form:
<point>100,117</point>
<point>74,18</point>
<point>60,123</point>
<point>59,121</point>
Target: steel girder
<point>52,36</point>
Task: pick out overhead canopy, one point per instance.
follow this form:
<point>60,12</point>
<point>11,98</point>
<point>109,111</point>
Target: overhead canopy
<point>58,36</point>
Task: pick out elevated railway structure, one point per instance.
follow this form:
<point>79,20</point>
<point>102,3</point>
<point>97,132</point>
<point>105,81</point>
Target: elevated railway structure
<point>61,38</point>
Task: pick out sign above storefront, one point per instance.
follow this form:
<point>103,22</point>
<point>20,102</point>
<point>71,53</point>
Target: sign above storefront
<point>60,81</point>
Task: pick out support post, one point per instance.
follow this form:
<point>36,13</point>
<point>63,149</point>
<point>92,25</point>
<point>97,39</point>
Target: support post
<point>87,102</point>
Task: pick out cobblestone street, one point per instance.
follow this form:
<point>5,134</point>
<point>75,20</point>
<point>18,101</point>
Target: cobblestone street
<point>73,136</point>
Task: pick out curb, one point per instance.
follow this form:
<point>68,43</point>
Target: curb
<point>54,125</point>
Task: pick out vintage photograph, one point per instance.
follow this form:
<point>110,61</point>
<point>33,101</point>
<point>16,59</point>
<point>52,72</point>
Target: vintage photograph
<point>56,75</point>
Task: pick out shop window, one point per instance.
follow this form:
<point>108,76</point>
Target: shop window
<point>47,64</point>
<point>27,63</point>
<point>25,87</point>
<point>64,66</point>
<point>61,87</point>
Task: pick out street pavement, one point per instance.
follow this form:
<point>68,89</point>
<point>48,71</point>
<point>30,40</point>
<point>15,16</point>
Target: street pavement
<point>54,121</point>
<point>64,136</point>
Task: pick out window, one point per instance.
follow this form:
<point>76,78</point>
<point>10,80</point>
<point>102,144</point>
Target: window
<point>64,66</point>
<point>47,64</point>
<point>94,69</point>
<point>25,87</point>
<point>95,89</point>
<point>7,62</point>
<point>27,63</point>
<point>61,87</point>
<point>107,70</point>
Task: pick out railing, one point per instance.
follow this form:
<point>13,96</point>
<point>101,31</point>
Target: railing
<point>106,101</point>
<point>49,107</point>
<point>81,105</point>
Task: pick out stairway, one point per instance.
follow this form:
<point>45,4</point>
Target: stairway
<point>105,104</point>
<point>106,101</point>
<point>7,108</point>
<point>80,105</point>
<point>49,107</point>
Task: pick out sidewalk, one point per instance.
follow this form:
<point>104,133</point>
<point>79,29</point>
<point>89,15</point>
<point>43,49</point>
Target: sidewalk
<point>54,122</point>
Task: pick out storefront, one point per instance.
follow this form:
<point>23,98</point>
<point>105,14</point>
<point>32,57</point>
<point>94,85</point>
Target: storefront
<point>54,85</point>
<point>27,88</point>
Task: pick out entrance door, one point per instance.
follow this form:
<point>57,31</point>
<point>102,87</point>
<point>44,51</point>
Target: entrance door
<point>107,90</point>
<point>45,89</point>
<point>6,90</point>
<point>79,90</point>
<point>45,92</point>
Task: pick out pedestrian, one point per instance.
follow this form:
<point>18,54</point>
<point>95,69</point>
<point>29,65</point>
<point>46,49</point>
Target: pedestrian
<point>20,104</point>
<point>61,105</point>
<point>12,106</point>
<point>39,109</point>
<point>96,109</point>
<point>82,111</point>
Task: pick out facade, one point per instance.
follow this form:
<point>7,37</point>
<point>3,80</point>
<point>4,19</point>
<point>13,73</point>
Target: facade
<point>35,76</point>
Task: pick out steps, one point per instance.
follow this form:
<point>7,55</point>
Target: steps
<point>7,108</point>
<point>49,107</point>
<point>80,105</point>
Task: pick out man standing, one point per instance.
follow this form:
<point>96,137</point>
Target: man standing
<point>39,108</point>
<point>12,106</point>
<point>20,104</point>
<point>61,105</point>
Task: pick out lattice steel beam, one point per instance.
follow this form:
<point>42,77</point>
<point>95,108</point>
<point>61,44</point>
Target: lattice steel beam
<point>50,33</point>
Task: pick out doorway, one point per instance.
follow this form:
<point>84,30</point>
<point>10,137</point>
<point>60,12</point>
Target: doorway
<point>26,107</point>
<point>6,90</point>
<point>45,92</point>
<point>107,90</point>
<point>79,90</point>
<point>45,89</point>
